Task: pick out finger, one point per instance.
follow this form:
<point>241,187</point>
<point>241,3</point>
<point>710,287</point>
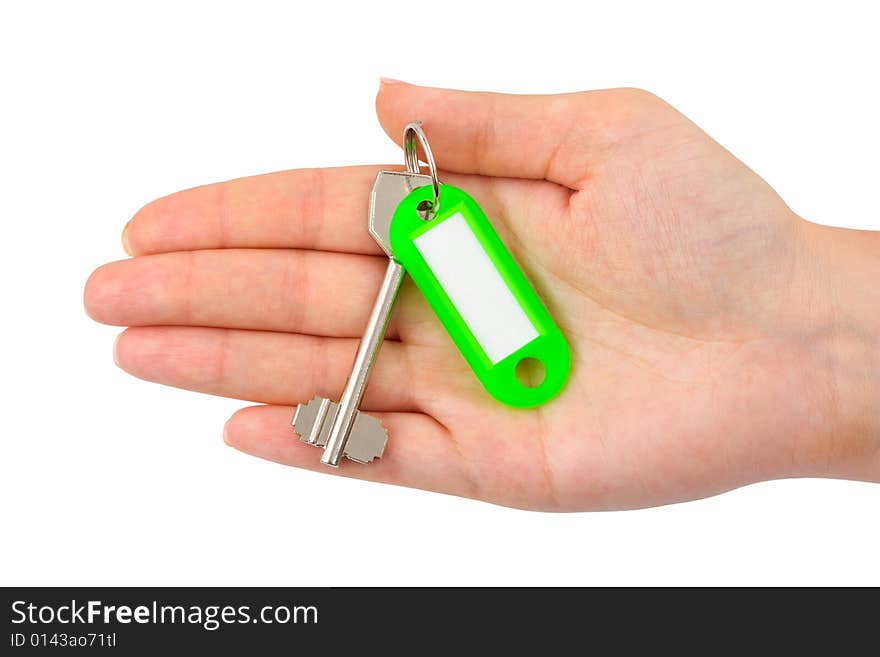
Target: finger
<point>323,209</point>
<point>319,209</point>
<point>273,368</point>
<point>313,292</point>
<point>552,137</point>
<point>421,455</point>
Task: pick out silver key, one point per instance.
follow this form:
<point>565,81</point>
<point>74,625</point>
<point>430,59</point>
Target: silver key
<point>340,428</point>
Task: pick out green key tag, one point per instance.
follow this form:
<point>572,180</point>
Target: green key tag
<point>480,295</point>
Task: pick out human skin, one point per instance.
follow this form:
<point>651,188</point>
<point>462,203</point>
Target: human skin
<point>717,338</point>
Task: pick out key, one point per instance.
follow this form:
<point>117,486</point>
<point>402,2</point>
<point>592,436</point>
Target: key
<point>340,428</point>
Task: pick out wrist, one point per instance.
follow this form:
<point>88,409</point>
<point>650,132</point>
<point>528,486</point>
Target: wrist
<point>847,262</point>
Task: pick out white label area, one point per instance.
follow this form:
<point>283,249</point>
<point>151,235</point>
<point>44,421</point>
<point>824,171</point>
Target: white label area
<point>475,287</point>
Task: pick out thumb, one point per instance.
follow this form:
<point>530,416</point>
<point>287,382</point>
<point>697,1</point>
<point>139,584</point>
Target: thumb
<point>553,137</point>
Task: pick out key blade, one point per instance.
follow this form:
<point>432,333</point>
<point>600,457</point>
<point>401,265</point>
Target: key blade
<point>368,349</point>
<point>367,439</point>
<point>309,419</point>
<point>390,188</point>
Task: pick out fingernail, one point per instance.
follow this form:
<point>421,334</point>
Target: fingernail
<point>226,438</point>
<point>115,347</point>
<point>125,244</point>
<point>390,81</point>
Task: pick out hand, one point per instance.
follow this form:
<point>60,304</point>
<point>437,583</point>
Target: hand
<point>716,337</point>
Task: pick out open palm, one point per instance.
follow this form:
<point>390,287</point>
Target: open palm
<point>677,275</point>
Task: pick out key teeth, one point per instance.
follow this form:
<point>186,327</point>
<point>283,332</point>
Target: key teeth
<point>368,439</point>
<point>312,422</point>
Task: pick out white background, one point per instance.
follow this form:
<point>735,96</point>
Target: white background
<point>108,480</point>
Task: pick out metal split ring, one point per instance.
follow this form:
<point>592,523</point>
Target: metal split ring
<point>412,136</point>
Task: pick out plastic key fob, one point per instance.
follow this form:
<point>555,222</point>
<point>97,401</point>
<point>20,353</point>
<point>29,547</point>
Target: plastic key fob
<point>480,294</point>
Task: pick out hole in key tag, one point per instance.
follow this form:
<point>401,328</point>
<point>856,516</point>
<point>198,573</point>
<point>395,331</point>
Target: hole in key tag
<point>480,295</point>
<point>530,372</point>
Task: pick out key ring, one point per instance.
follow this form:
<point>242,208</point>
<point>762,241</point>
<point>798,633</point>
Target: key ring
<point>412,132</point>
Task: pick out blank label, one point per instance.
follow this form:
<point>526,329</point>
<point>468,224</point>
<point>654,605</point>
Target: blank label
<point>475,287</point>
